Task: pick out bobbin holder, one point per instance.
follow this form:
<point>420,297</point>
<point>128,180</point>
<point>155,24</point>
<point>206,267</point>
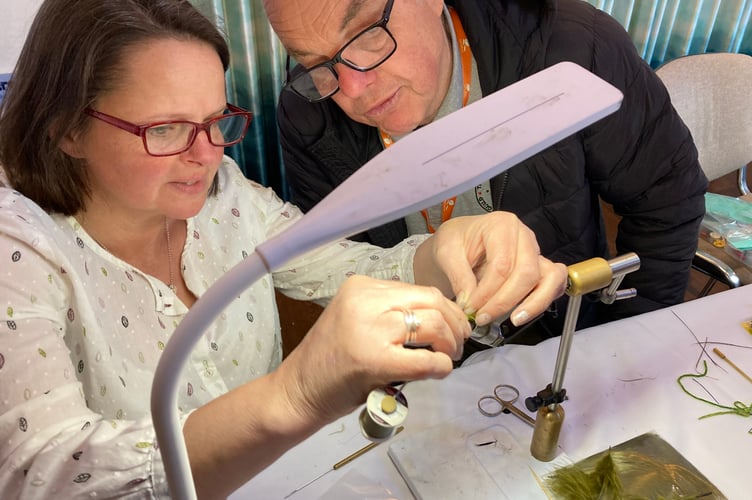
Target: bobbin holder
<point>601,278</point>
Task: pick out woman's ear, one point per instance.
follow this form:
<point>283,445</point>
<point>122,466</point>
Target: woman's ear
<point>69,145</point>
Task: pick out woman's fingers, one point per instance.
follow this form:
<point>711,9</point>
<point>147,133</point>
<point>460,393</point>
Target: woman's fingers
<point>508,275</point>
<point>466,246</point>
<point>551,285</point>
<point>529,290</point>
<point>442,331</point>
<point>367,325</point>
<point>494,265</point>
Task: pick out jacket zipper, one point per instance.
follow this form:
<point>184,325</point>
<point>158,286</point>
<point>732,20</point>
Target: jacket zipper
<point>502,189</point>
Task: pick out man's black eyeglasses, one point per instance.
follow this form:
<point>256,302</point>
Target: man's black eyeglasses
<point>364,52</point>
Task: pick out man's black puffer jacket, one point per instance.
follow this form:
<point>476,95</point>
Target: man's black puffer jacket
<point>641,160</point>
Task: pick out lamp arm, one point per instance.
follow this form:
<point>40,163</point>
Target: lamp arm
<point>164,394</point>
<point>294,241</point>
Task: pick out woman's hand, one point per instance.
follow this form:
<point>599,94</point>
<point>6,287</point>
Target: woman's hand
<point>492,263</point>
<point>358,343</point>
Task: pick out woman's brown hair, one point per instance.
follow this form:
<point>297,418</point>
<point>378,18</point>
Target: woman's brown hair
<point>72,55</point>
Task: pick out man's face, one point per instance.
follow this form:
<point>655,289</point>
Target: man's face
<point>400,94</point>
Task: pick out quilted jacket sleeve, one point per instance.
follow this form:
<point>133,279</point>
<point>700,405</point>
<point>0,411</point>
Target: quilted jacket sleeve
<point>643,161</point>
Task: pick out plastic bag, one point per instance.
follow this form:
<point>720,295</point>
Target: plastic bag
<point>729,217</point>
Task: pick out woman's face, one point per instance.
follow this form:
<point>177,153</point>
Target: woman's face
<point>164,79</point>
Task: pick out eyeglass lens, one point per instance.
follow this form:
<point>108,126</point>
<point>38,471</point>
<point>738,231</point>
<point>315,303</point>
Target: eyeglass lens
<point>175,137</point>
<point>362,53</point>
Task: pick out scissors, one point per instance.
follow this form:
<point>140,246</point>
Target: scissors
<point>503,399</point>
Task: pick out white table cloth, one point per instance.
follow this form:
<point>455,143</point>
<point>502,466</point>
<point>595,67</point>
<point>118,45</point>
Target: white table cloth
<point>621,382</point>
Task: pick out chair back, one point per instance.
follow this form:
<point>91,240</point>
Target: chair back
<point>711,93</point>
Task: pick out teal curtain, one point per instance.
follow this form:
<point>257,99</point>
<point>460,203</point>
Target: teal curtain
<point>254,80</point>
<point>661,29</point>
<point>666,29</point>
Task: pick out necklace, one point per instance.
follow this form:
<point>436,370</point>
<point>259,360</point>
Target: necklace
<point>171,285</point>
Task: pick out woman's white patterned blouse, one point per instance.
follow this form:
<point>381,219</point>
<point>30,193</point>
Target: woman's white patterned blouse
<point>81,332</point>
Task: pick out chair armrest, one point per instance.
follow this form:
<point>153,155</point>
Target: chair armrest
<point>741,180</point>
<point>715,268</point>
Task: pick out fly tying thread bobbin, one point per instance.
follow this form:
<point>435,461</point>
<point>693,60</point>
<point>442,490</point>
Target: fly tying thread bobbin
<point>385,411</point>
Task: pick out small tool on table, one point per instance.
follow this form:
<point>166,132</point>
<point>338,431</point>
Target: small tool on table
<point>503,398</point>
<point>731,363</point>
<point>342,463</point>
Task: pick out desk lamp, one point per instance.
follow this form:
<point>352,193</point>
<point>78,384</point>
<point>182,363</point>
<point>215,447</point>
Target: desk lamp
<point>597,276</point>
<point>433,163</point>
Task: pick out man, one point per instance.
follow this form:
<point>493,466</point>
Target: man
<point>371,72</point>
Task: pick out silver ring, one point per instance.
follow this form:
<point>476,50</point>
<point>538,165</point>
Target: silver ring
<point>412,323</point>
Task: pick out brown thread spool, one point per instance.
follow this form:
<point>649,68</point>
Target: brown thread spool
<point>384,412</point>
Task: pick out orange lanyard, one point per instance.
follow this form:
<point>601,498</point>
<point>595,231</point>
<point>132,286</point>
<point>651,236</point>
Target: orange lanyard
<point>447,206</point>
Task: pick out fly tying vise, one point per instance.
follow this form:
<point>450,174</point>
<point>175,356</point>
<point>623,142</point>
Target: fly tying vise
<point>593,276</point>
<point>386,407</point>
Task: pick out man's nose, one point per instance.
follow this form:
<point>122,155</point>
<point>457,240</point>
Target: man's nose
<point>352,82</point>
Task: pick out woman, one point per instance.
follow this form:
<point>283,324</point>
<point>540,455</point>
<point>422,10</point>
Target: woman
<point>113,230</point>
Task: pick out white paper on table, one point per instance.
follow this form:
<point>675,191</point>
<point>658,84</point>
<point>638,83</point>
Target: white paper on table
<point>445,461</point>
